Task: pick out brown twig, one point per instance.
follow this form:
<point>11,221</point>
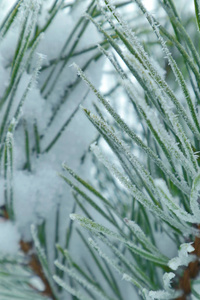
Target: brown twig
<point>34,263</point>
<point>5,213</point>
<point>190,272</point>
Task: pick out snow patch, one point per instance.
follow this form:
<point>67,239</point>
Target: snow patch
<point>9,238</point>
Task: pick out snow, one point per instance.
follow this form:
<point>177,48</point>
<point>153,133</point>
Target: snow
<point>37,283</point>
<point>9,238</point>
<point>37,196</point>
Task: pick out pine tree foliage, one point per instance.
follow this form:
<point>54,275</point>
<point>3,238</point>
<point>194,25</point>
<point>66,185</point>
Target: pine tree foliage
<point>164,184</point>
<point>29,70</point>
<point>140,201</point>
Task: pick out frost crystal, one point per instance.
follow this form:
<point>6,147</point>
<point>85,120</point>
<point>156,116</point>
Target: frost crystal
<point>168,292</point>
<point>183,258</point>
